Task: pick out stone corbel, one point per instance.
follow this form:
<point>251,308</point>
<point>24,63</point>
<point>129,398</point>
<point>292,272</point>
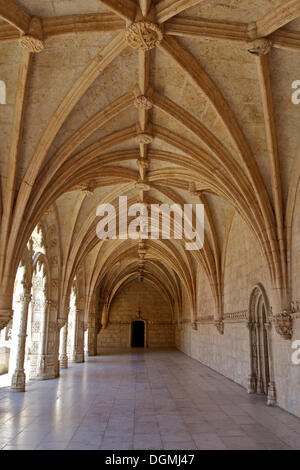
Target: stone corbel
<point>283,323</point>
<point>219,324</point>
<point>33,41</point>
<point>260,46</point>
<point>194,325</point>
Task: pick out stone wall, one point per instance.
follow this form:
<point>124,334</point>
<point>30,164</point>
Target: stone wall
<point>159,328</point>
<point>229,353</point>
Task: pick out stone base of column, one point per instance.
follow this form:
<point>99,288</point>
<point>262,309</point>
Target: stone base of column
<point>271,394</point>
<point>42,368</point>
<point>251,387</point>
<point>18,381</point>
<point>63,361</point>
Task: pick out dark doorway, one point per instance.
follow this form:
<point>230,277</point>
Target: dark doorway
<point>138,334</point>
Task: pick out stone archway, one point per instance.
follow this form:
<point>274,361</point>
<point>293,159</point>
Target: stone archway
<point>261,377</point>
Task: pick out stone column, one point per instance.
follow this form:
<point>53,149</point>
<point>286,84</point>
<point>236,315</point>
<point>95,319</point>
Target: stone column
<point>271,401</point>
<point>78,344</point>
<point>60,323</point>
<point>259,386</point>
<point>251,387</point>
<point>63,358</point>
<point>18,378</point>
<point>41,369</point>
<point>92,339</point>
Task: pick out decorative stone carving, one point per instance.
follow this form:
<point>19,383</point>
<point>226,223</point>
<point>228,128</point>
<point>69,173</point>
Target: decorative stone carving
<point>236,316</point>
<point>32,44</point>
<point>260,47</point>
<point>295,306</point>
<point>219,324</point>
<point>33,40</point>
<point>144,138</point>
<point>142,186</point>
<point>143,102</point>
<point>284,324</point>
<point>143,163</point>
<point>143,35</point>
<point>35,327</point>
<point>194,325</point>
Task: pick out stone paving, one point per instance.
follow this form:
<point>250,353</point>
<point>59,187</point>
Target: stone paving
<point>142,400</point>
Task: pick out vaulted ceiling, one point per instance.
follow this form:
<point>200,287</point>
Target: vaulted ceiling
<point>162,101</point>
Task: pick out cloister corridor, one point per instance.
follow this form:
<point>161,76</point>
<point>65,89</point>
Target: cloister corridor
<point>149,225</point>
<point>142,399</point>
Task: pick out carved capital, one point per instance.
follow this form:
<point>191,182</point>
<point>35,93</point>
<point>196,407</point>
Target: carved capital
<point>143,35</point>
<point>284,324</point>
<point>194,325</point>
<point>219,324</point>
<point>33,40</point>
<point>260,47</point>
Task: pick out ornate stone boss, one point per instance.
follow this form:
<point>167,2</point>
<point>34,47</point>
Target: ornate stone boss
<point>143,35</point>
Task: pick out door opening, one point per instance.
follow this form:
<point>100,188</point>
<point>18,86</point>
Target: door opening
<point>138,334</point>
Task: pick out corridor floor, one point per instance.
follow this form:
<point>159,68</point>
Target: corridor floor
<point>142,400</point>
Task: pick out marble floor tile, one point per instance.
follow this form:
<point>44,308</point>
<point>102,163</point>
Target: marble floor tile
<point>142,400</point>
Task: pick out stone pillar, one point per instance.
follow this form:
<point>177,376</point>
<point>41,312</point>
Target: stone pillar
<point>92,338</point>
<point>63,358</point>
<point>251,387</point>
<point>78,350</point>
<point>271,401</point>
<point>18,378</point>
<point>259,386</point>
<point>42,366</point>
<point>60,323</point>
